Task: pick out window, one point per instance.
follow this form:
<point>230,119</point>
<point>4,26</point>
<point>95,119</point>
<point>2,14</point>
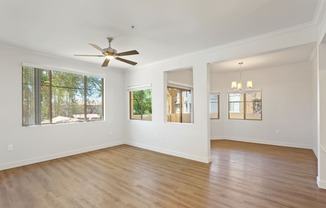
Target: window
<point>236,106</point>
<point>141,105</point>
<point>253,107</point>
<point>179,105</point>
<point>51,97</point>
<point>246,105</point>
<point>214,105</point>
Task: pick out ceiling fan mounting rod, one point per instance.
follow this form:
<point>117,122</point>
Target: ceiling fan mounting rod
<point>110,40</point>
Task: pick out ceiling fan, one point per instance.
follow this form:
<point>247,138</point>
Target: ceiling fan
<point>110,53</point>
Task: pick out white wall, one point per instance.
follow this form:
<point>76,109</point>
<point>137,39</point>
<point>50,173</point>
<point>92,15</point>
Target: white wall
<point>193,140</point>
<point>321,77</point>
<point>218,84</point>
<point>188,140</point>
<point>322,145</point>
<point>322,28</point>
<point>322,80</point>
<point>34,144</point>
<point>287,107</point>
<point>181,76</point>
<point>314,100</point>
<point>322,113</point>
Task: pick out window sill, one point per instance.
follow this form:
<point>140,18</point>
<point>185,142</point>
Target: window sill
<point>138,120</point>
<point>62,124</point>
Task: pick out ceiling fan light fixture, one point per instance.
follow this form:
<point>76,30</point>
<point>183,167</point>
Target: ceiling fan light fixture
<point>109,57</point>
<point>110,53</point>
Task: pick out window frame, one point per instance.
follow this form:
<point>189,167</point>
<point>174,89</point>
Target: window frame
<point>244,105</point>
<point>130,94</point>
<point>218,105</point>
<point>181,89</point>
<point>37,71</point>
<point>241,104</point>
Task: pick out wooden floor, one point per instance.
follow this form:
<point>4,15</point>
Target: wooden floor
<point>242,175</point>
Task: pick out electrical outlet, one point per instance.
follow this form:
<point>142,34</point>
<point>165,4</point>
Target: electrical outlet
<point>110,132</point>
<point>10,147</point>
<point>277,131</point>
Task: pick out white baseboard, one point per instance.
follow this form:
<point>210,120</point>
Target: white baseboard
<point>215,138</point>
<point>171,152</point>
<point>268,142</point>
<point>209,159</point>
<point>57,155</point>
<point>321,184</point>
<point>315,152</point>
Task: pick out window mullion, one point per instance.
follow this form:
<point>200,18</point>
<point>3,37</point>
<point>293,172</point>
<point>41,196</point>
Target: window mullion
<point>141,104</point>
<point>218,107</point>
<point>50,97</point>
<point>85,98</point>
<point>37,96</point>
<point>131,104</point>
<point>181,106</point>
<point>102,80</point>
<point>245,106</point>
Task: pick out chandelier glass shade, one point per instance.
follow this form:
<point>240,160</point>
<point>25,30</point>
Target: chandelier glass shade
<point>238,85</point>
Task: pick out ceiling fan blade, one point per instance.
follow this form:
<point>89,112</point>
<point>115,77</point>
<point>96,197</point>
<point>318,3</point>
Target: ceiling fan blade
<point>90,55</point>
<point>126,61</point>
<point>97,47</point>
<point>106,62</point>
<point>128,53</point>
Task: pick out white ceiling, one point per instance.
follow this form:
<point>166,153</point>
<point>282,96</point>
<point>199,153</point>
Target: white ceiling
<point>163,29</point>
<point>298,54</point>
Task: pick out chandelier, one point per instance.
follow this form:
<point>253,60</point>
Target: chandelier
<point>238,85</point>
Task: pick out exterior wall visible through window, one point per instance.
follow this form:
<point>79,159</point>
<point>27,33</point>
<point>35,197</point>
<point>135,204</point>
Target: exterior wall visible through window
<point>245,105</point>
<point>179,105</point>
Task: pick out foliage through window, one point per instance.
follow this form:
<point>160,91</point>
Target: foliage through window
<point>179,103</point>
<point>51,97</point>
<point>141,105</point>
<point>214,105</point>
<point>245,105</point>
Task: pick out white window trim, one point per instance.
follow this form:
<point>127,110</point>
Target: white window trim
<point>180,85</point>
<point>139,87</point>
<point>68,70</point>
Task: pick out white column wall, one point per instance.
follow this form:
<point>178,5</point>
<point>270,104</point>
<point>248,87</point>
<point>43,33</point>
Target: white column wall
<point>322,117</point>
<point>188,140</point>
<point>315,102</point>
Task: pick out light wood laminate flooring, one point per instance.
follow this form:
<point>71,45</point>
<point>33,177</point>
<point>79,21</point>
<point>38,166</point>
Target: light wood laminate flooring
<point>241,175</point>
